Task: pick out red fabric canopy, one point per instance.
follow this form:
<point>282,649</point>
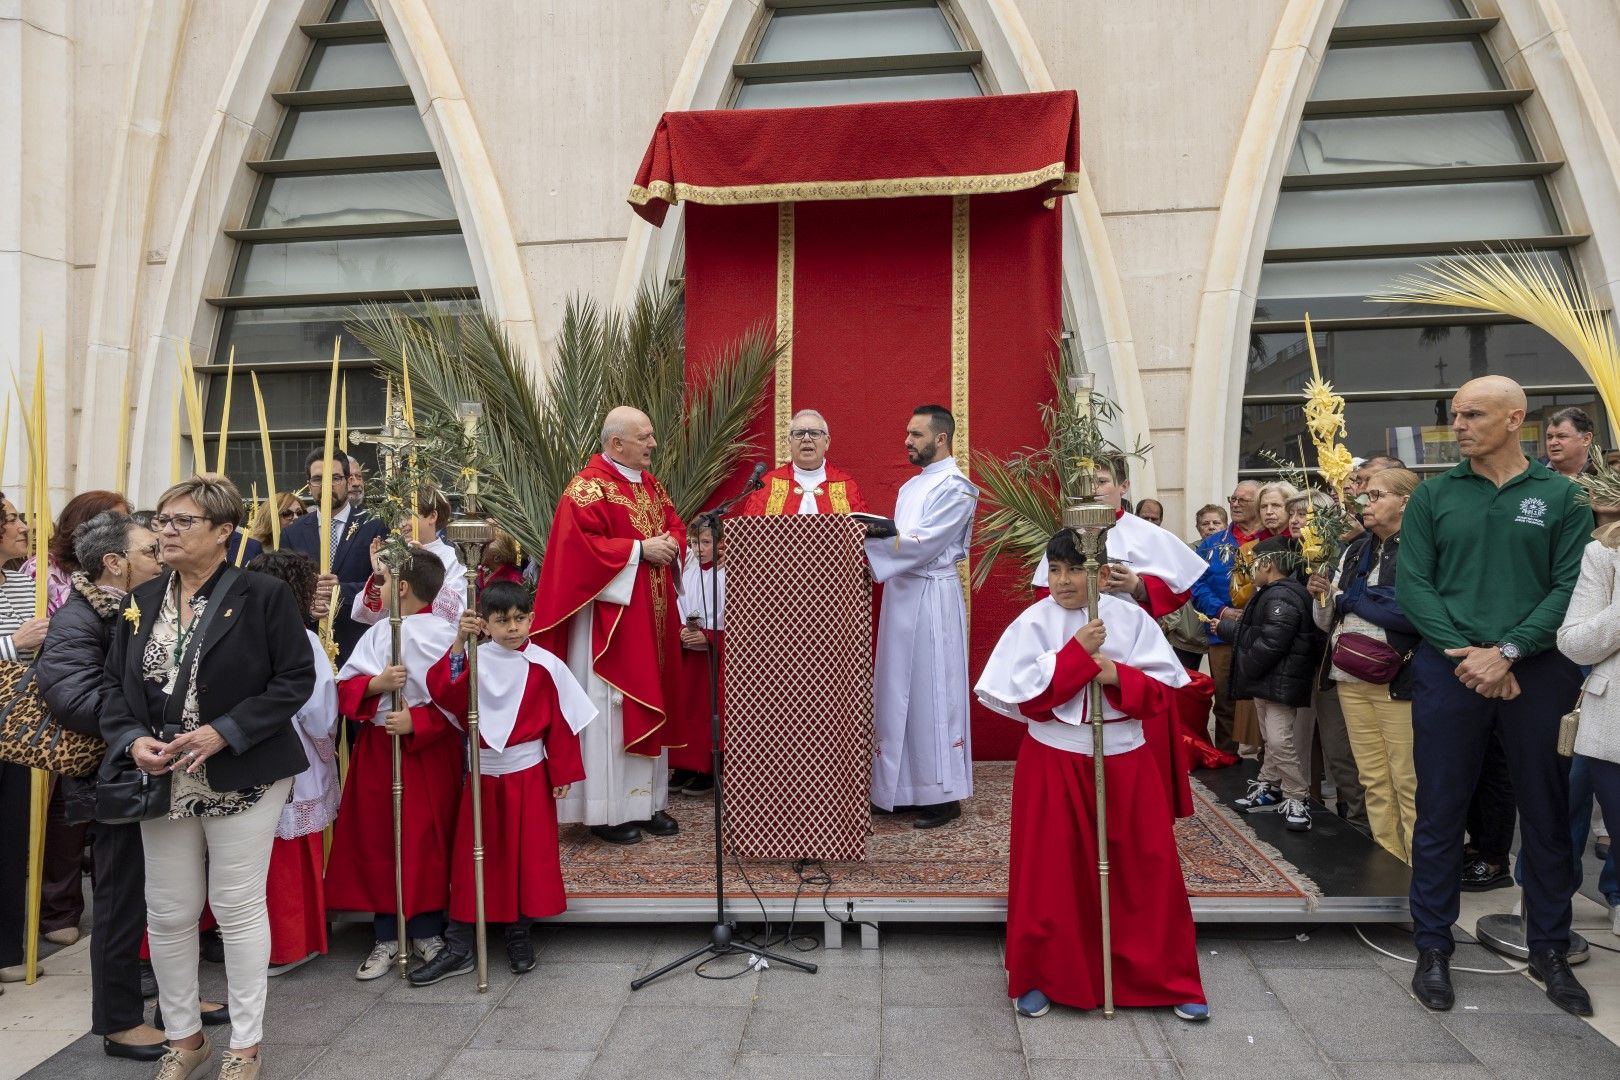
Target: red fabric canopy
<point>890,149</point>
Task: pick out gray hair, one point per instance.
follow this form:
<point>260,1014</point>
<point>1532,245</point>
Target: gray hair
<point>105,534</point>
<point>811,412</point>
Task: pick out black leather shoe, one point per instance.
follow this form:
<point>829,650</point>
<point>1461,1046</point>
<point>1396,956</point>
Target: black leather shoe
<point>932,817</point>
<point>1563,989</point>
<point>133,1051</point>
<point>1432,982</point>
<point>679,778</point>
<point>445,965</point>
<point>210,1017</point>
<point>1481,876</point>
<point>700,784</point>
<point>660,824</point>
<point>627,833</point>
<point>519,951</point>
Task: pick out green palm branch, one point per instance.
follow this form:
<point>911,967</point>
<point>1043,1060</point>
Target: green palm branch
<point>539,429</point>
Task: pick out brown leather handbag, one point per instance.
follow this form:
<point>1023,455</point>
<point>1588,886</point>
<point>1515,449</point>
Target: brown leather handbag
<point>30,736</point>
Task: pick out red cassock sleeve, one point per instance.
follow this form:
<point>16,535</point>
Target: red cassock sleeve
<point>353,700</point>
<point>582,556</point>
<point>754,505</point>
<point>429,724</point>
<point>1075,668</point>
<point>1161,601</point>
<point>564,765</point>
<point>449,693</point>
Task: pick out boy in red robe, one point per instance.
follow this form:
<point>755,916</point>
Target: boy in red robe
<point>360,872</point>
<point>530,712</point>
<point>1039,674</point>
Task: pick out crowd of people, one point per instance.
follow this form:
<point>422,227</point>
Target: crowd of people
<point>1424,675</point>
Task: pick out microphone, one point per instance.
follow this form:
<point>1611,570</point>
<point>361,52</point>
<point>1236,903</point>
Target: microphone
<point>755,480</point>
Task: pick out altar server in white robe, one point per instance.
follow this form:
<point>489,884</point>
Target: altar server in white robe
<point>422,531</point>
<point>1146,563</point>
<point>923,759</point>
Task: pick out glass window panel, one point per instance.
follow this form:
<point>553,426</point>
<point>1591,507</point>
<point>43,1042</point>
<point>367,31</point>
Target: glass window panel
<point>912,86</point>
<point>878,31</point>
<point>344,65</point>
<point>1426,67</point>
<point>1390,214</point>
<point>352,199</point>
<point>1414,141</point>
<point>351,130</point>
<point>1379,12</point>
<point>293,399</point>
<point>1337,288</point>
<point>351,11</point>
<point>1417,430</point>
<point>286,335</point>
<point>346,266</point>
<point>1410,358</point>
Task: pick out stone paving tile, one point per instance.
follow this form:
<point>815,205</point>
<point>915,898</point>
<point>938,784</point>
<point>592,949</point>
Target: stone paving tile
<point>503,1064</point>
<point>803,1067</point>
<point>651,1041</point>
<point>1242,1040</point>
<point>855,978</point>
<point>1363,1016</point>
<point>965,1065</point>
<point>964,1029</point>
<point>1314,1069</point>
<point>318,1014</point>
<point>552,1026</point>
<point>1558,1045</point>
<point>831,1026</point>
<point>684,986</point>
<point>1231,981</point>
<point>573,984</point>
<point>910,948</point>
<point>1070,1033</point>
<point>1326,947</point>
<point>968,984</point>
<point>1384,1070</point>
<point>609,944</point>
<point>1071,1069</point>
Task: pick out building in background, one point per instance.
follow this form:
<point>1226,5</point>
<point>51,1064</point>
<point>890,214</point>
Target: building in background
<point>238,174</point>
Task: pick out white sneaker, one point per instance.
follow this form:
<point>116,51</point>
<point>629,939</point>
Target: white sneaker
<point>378,962</point>
<point>426,948</point>
<point>1296,815</point>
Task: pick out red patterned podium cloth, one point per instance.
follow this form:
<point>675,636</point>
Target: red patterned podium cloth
<point>798,766</point>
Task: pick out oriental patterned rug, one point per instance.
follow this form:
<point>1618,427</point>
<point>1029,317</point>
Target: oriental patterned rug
<point>1220,856</point>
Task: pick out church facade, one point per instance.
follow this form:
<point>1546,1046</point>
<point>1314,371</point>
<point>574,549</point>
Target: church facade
<point>234,177</point>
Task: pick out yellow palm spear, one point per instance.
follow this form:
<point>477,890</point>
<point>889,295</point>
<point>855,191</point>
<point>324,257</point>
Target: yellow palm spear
<point>1529,287</point>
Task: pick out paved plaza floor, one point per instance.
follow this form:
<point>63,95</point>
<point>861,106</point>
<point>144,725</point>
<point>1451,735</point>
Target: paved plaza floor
<point>929,1005</point>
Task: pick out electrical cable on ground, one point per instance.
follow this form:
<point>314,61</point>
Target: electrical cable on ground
<point>1512,970</point>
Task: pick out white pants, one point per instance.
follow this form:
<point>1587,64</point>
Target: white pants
<point>224,860</point>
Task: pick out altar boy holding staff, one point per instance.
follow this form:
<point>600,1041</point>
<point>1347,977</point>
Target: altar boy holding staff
<point>1040,673</point>
<point>530,712</point>
<point>360,872</point>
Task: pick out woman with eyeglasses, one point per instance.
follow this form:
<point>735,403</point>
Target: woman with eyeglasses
<point>1369,659</point>
<point>211,664</point>
<point>115,555</point>
<point>288,508</point>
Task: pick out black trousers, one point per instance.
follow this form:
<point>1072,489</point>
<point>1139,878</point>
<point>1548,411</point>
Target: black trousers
<point>14,810</point>
<point>62,898</point>
<point>1452,729</point>
<point>1492,815</point>
<point>119,905</point>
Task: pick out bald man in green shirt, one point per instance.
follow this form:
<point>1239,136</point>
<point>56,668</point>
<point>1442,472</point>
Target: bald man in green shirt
<point>1490,553</point>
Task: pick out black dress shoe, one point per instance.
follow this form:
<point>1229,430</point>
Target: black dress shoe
<point>679,778</point>
<point>1563,989</point>
<point>519,951</point>
<point>447,964</point>
<point>628,833</point>
<point>210,1017</point>
<point>148,981</point>
<point>700,784</point>
<point>133,1051</point>
<point>1432,982</point>
<point>660,824</point>
<point>932,817</point>
<point>1481,876</point>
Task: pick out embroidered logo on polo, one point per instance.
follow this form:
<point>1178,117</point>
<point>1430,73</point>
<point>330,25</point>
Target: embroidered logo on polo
<point>1532,511</point>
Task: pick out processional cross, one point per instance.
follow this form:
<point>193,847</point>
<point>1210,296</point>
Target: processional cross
<point>395,441</point>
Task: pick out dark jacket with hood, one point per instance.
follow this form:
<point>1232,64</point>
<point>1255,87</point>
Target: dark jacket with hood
<point>1276,645</point>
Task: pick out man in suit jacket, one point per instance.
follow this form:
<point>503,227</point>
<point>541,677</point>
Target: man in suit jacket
<point>353,529</point>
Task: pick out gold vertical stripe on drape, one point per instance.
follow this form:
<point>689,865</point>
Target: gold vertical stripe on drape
<point>959,355</point>
<point>784,329</point>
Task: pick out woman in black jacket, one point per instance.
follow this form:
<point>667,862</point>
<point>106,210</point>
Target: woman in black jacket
<point>1276,647</point>
<point>116,555</point>
<point>205,672</point>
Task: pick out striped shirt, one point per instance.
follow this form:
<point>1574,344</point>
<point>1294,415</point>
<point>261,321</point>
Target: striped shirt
<point>16,608</point>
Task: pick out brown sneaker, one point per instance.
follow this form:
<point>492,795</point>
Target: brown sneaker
<point>236,1067</point>
<point>181,1064</point>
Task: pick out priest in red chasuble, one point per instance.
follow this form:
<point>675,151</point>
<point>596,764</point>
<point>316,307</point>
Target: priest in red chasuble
<point>807,484</point>
<point>607,604</point>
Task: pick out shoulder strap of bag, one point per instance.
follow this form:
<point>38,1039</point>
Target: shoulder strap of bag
<point>182,679</point>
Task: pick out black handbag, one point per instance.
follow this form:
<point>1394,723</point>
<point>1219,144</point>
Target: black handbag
<point>126,793</point>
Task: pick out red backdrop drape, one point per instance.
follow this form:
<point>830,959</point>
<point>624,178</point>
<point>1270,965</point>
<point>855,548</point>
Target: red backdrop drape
<point>909,252</point>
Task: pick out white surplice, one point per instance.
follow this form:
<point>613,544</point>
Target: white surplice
<point>1025,658</point>
<point>313,804</point>
<point>448,605</point>
<point>923,754</point>
<point>618,786</point>
<point>1147,549</point>
<point>698,593</point>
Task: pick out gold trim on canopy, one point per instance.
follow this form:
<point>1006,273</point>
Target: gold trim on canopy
<point>823,190</point>
<point>959,360</point>
<point>784,329</point>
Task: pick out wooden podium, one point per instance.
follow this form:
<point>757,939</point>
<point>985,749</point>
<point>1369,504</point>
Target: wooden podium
<point>798,763</point>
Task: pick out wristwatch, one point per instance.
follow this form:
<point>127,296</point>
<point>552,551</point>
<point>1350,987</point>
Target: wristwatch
<point>1510,652</point>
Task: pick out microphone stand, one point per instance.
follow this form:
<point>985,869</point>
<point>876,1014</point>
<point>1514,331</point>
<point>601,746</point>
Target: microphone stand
<point>721,941</point>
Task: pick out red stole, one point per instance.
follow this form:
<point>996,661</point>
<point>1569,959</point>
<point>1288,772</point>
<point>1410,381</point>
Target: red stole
<point>782,495</point>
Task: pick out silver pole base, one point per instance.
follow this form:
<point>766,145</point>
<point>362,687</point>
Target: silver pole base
<point>1505,934</point>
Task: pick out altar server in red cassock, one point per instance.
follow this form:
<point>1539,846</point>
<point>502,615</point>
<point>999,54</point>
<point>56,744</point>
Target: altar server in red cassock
<point>607,604</point>
<point>294,888</point>
<point>807,484</point>
<point>703,622</point>
<point>530,712</point>
<point>360,872</point>
<point>1146,563</point>
<point>1039,673</point>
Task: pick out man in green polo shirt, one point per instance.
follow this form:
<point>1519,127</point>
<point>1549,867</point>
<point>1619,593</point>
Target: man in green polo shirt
<point>1490,553</point>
